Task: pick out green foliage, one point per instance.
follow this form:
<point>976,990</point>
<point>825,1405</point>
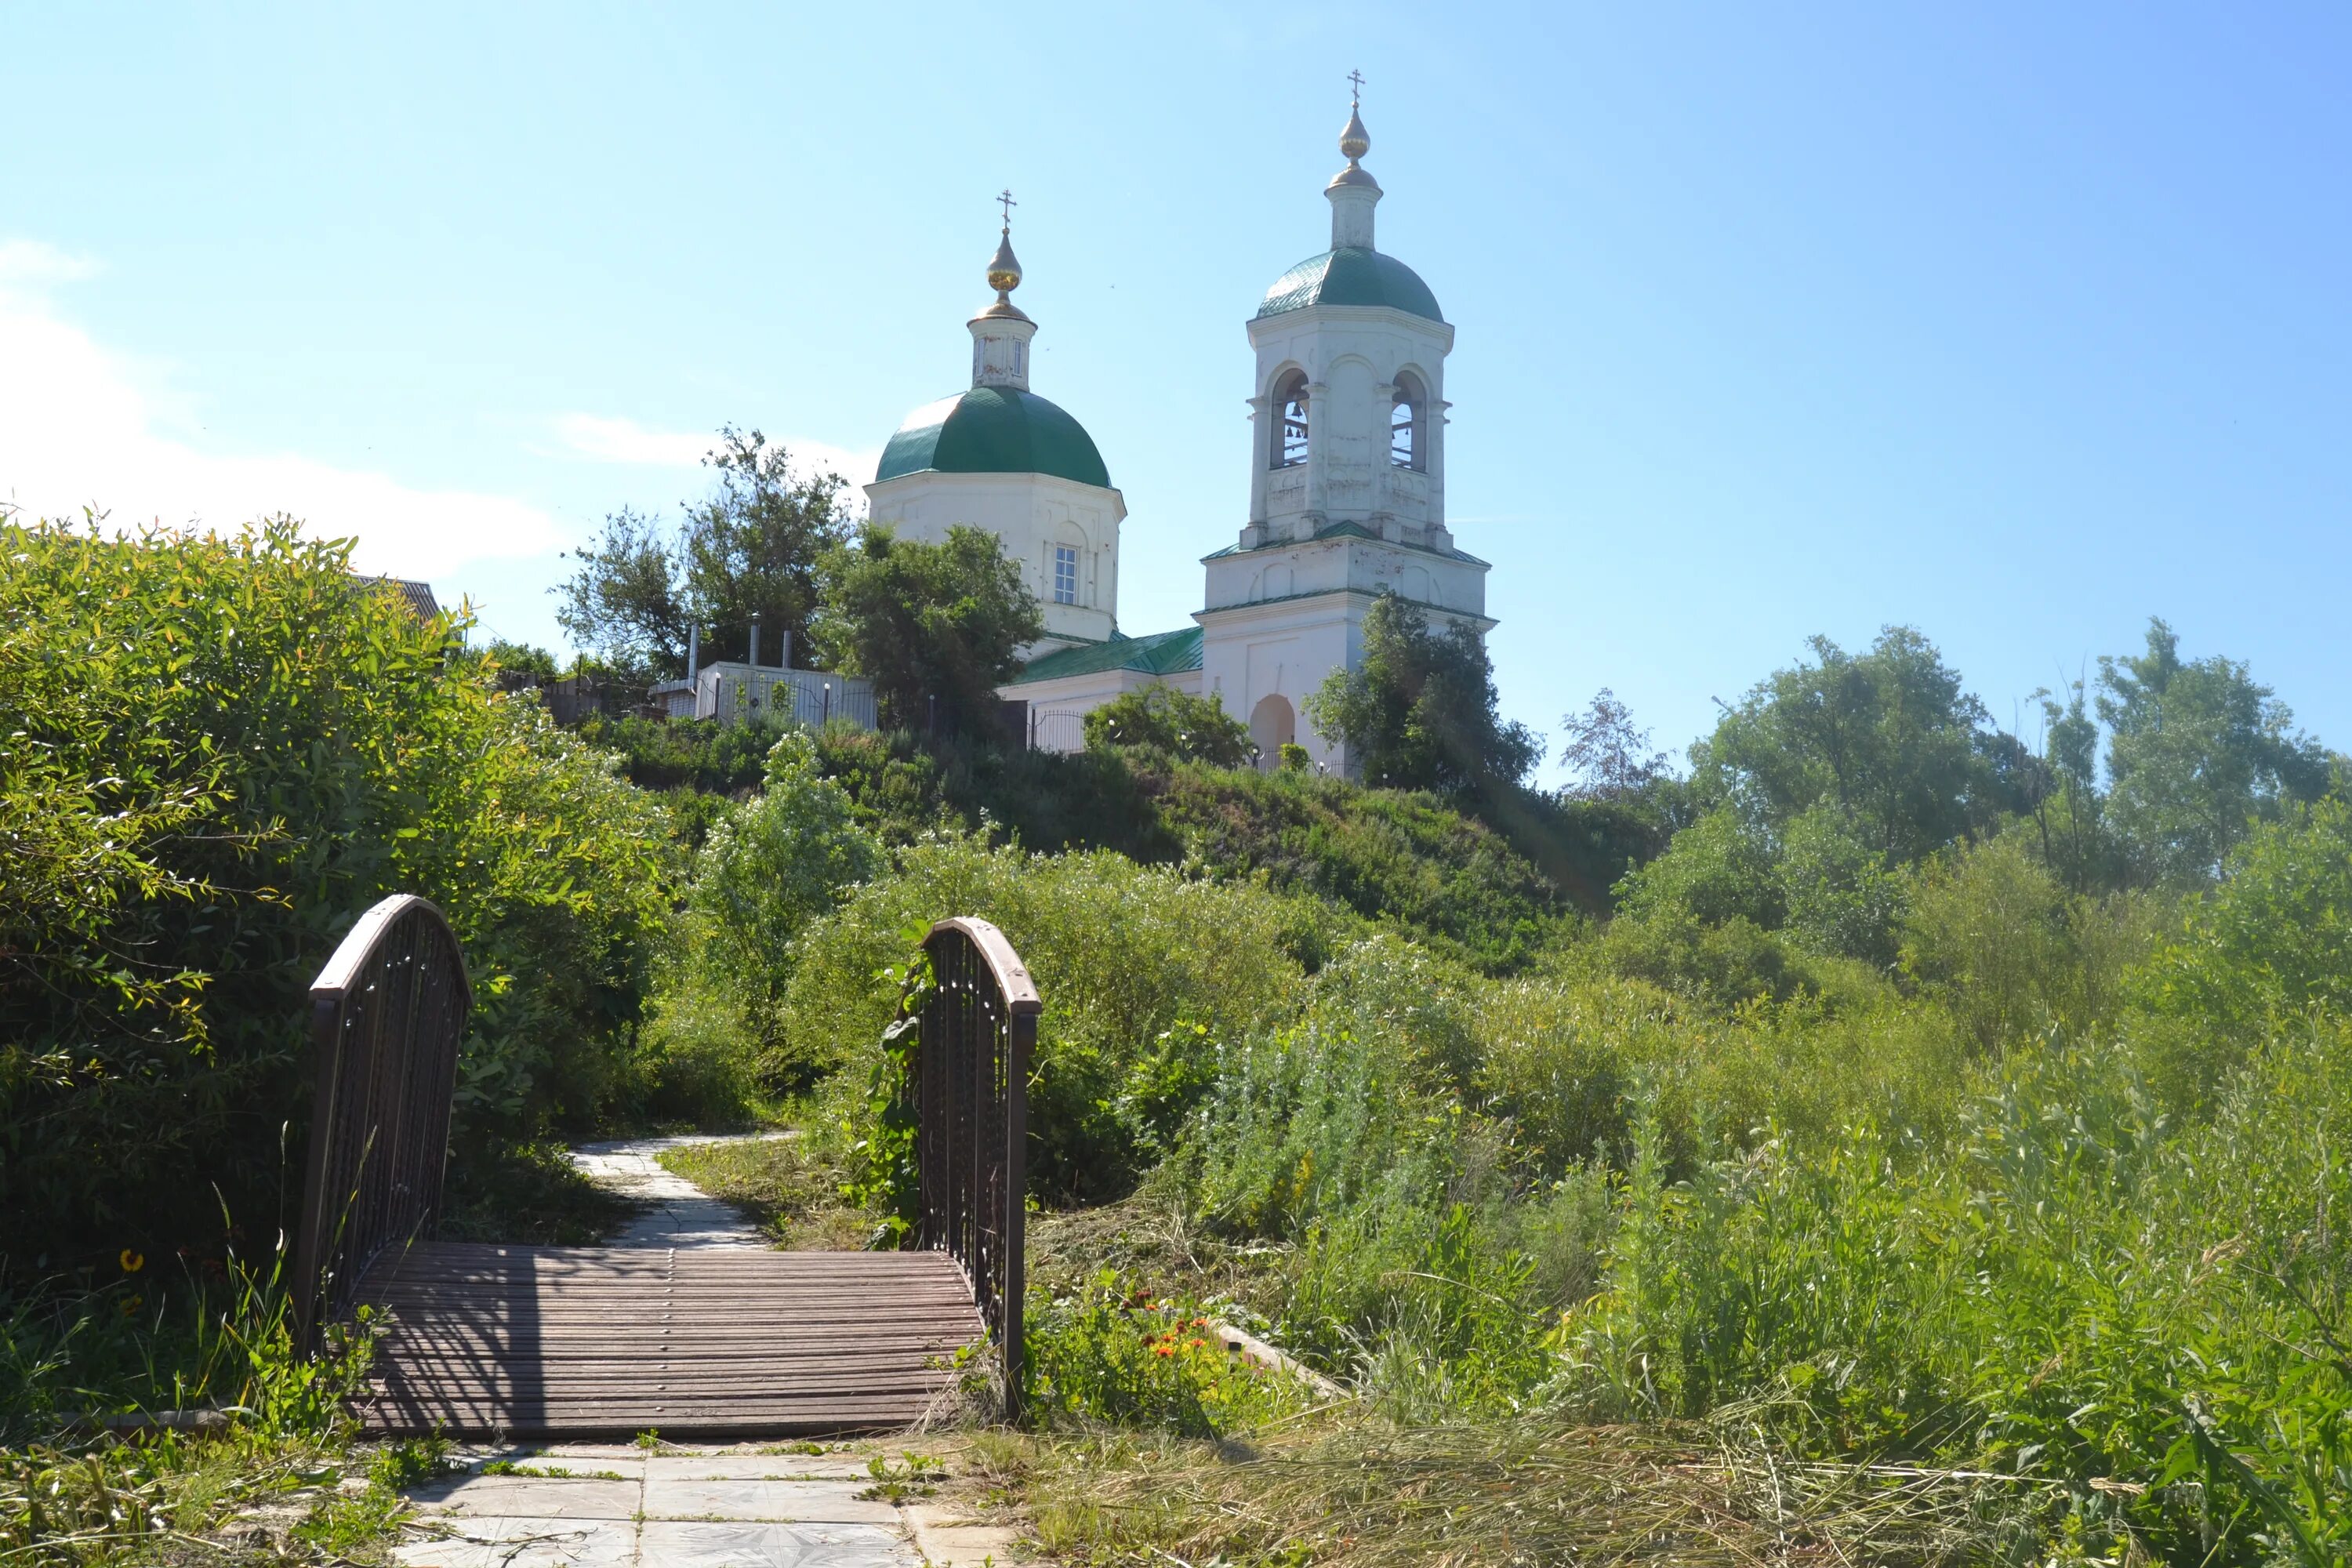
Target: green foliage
<point>280,743</point>
<point>529,1193</point>
<point>2198,753</point>
<point>1888,738</point>
<point>927,623</point>
<point>748,551</point>
<point>903,788</point>
<point>2271,944</point>
<point>1123,955</point>
<point>1993,935</point>
<point>1405,857</point>
<point>714,1038</point>
<point>2070,1289</point>
<point>1110,1353</point>
<point>1419,709</point>
<point>1173,723</point>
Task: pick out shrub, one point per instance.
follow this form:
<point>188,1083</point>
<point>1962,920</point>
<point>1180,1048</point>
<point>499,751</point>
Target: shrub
<point>1111,1352</point>
<point>283,743</point>
<point>1175,724</point>
<point>1389,854</point>
<point>771,866</point>
<point>1133,963</point>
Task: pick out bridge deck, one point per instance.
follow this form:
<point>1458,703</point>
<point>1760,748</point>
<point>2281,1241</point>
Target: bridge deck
<point>591,1341</point>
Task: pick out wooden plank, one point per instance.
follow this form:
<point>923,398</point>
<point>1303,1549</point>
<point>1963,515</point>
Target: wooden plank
<point>603,1339</point>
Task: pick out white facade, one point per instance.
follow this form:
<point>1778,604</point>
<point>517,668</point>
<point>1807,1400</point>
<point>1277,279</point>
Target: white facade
<point>1063,531</point>
<point>1347,484</point>
<point>1038,517</point>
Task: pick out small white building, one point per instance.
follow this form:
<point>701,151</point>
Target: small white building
<point>1347,493</point>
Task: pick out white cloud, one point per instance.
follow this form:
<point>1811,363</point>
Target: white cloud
<point>32,263</point>
<point>617,440</point>
<point>78,428</point>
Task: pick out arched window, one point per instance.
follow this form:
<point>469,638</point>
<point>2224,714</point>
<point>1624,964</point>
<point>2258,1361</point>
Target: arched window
<point>1289,442</point>
<point>1405,424</point>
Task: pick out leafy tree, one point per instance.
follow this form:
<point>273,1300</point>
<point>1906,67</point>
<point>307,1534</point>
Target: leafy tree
<point>750,549</point>
<point>1888,738</point>
<point>927,623</point>
<point>2197,754</point>
<point>1420,711</point>
<point>1173,724</point>
<point>1609,754</point>
<point>771,866</point>
<point>220,751</point>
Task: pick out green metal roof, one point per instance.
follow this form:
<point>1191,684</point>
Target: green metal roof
<point>994,430</point>
<point>1351,275</point>
<point>1348,530</point>
<point>1161,653</point>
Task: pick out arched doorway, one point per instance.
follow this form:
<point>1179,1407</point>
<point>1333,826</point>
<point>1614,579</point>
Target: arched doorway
<point>1273,725</point>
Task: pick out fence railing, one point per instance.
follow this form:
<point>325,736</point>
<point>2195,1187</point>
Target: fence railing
<point>386,1017</point>
<point>977,1028</point>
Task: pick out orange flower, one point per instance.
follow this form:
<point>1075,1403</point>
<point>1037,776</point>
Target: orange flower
<point>133,1262</point>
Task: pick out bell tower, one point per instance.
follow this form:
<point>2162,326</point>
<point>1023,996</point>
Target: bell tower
<point>1347,473</point>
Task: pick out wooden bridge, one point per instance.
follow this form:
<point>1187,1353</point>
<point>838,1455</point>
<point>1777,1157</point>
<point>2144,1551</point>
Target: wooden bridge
<point>716,1342</point>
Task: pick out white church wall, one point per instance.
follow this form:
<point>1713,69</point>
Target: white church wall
<point>1057,709</point>
<point>1031,513</point>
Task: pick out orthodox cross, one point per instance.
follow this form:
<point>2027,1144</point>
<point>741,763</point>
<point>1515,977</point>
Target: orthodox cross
<point>1004,199</point>
<point>1356,83</point>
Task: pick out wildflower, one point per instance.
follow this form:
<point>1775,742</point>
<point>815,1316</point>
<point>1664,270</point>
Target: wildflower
<point>133,1262</point>
<point>131,1305</point>
<point>1163,1348</point>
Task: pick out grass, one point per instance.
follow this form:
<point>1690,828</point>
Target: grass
<point>787,1187</point>
<point>1351,1492</point>
<point>530,1195</point>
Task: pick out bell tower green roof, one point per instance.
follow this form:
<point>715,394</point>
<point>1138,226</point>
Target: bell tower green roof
<point>1351,275</point>
<point>994,430</point>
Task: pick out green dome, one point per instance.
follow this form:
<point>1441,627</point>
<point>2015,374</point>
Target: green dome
<point>994,430</point>
<point>1351,275</point>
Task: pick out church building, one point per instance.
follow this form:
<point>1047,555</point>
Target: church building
<point>1347,493</point>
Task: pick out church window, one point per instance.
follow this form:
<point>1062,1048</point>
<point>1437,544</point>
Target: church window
<point>1405,426</point>
<point>1290,435</point>
<point>1065,574</point>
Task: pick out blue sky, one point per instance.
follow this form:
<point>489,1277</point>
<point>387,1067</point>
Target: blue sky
<point>2018,323</point>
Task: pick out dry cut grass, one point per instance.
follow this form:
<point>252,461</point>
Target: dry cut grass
<point>1359,1493</point>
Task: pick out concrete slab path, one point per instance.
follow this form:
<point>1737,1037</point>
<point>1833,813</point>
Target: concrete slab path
<point>603,1506</point>
<point>682,1215</point>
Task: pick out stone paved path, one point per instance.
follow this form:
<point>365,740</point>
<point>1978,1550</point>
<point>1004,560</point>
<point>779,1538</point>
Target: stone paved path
<point>683,1215</point>
<point>586,1506</point>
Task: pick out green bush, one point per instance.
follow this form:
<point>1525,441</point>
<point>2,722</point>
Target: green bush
<point>278,743</point>
<point>1174,725</point>
<point>2070,1290</point>
<point>1389,855</point>
<point>1111,1352</point>
<point>771,866</point>
<point>1131,961</point>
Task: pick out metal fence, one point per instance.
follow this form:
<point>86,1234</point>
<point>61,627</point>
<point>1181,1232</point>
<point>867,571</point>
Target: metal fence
<point>386,1017</point>
<point>977,1028</point>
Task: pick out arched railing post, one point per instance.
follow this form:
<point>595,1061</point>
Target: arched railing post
<point>978,1032</point>
<point>388,1015</point>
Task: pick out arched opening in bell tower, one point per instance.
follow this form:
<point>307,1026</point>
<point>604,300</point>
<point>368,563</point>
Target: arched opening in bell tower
<point>1289,448</point>
<point>1405,424</point>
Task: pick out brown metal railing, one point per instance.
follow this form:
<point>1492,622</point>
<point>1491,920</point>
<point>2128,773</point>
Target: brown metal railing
<point>978,1029</point>
<point>386,1017</point>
